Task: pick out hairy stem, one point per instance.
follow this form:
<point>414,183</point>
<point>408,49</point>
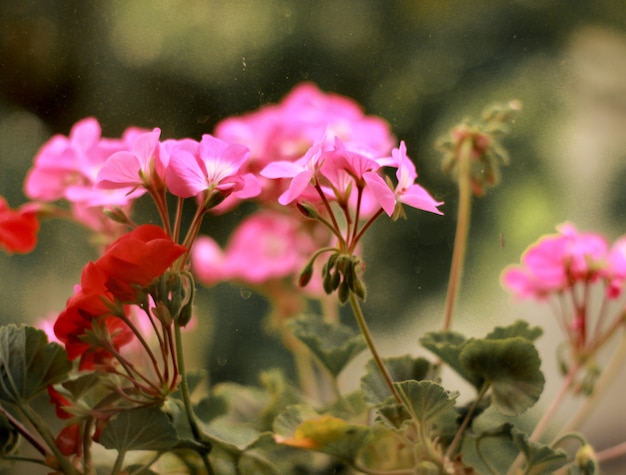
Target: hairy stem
<point>462,231</point>
<point>184,391</point>
<point>360,319</point>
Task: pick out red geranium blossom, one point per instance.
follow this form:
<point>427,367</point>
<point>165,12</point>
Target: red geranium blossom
<point>136,259</point>
<point>18,229</point>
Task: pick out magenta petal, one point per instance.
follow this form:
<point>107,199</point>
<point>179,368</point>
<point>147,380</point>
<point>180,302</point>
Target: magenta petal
<point>282,169</point>
<point>417,197</point>
<point>296,187</point>
<point>381,191</point>
<point>185,176</point>
<point>119,171</point>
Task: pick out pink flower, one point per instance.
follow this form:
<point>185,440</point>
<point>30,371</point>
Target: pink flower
<point>407,191</point>
<point>67,168</point>
<point>141,167</point>
<point>557,262</point>
<point>266,245</point>
<point>616,268</point>
<point>212,167</point>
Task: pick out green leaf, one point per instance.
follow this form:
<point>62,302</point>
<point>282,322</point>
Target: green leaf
<point>401,368</point>
<point>512,368</point>
<point>448,345</point>
<point>540,459</point>
<point>28,363</point>
<point>329,435</point>
<point>426,399</point>
<point>334,344</point>
<point>519,328</point>
<point>143,428</point>
<point>288,421</point>
<point>234,436</point>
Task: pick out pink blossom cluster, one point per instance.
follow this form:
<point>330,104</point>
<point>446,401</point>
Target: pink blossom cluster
<point>565,269</point>
<point>313,149</point>
<point>557,263</point>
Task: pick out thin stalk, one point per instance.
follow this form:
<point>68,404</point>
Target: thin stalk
<point>468,417</point>
<point>602,385</point>
<point>119,462</point>
<point>548,414</point>
<point>462,231</point>
<point>45,433</point>
<point>18,426</point>
<point>360,319</point>
<point>184,391</point>
<point>611,453</point>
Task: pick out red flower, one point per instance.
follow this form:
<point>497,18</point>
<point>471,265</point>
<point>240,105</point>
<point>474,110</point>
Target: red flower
<point>136,259</point>
<point>91,304</point>
<point>18,229</point>
<point>69,440</point>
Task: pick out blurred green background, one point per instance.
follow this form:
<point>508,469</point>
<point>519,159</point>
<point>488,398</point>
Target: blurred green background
<point>421,65</point>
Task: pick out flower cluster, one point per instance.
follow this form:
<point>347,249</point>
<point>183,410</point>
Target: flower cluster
<point>316,173</point>
<point>574,270</point>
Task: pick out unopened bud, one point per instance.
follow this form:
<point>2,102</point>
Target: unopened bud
<point>308,210</point>
<point>343,292</point>
<point>305,275</point>
<point>586,460</point>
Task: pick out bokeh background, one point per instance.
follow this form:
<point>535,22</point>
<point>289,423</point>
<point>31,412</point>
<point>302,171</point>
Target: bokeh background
<point>421,65</point>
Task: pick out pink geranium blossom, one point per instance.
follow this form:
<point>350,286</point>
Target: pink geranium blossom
<point>140,167</point>
<point>557,262</point>
<point>212,167</point>
<point>407,191</point>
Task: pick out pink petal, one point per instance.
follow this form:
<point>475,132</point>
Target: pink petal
<point>186,175</point>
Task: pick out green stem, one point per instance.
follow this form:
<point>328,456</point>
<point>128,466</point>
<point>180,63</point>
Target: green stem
<point>184,391</point>
<point>119,462</point>
<point>46,434</point>
<point>462,231</point>
<point>360,319</point>
<point>468,417</point>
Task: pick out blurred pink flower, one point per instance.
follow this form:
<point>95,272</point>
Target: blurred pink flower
<point>557,262</point>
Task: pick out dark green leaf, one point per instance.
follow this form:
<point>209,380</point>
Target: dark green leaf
<point>144,428</point>
<point>540,459</point>
<point>401,368</point>
<point>519,328</point>
<point>426,399</point>
<point>334,344</point>
<point>511,367</point>
<point>9,437</point>
<point>28,363</point>
<point>448,345</point>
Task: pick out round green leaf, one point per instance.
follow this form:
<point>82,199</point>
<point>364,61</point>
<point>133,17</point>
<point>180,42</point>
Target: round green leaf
<point>510,366</point>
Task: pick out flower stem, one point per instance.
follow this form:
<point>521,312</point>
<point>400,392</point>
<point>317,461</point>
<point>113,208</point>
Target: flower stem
<point>360,319</point>
<point>184,391</point>
<point>46,434</point>
<point>462,230</point>
<point>606,380</point>
<point>468,417</point>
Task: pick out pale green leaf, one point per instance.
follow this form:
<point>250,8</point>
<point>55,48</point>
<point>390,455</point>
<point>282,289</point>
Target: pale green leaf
<point>520,328</point>
<point>426,399</point>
